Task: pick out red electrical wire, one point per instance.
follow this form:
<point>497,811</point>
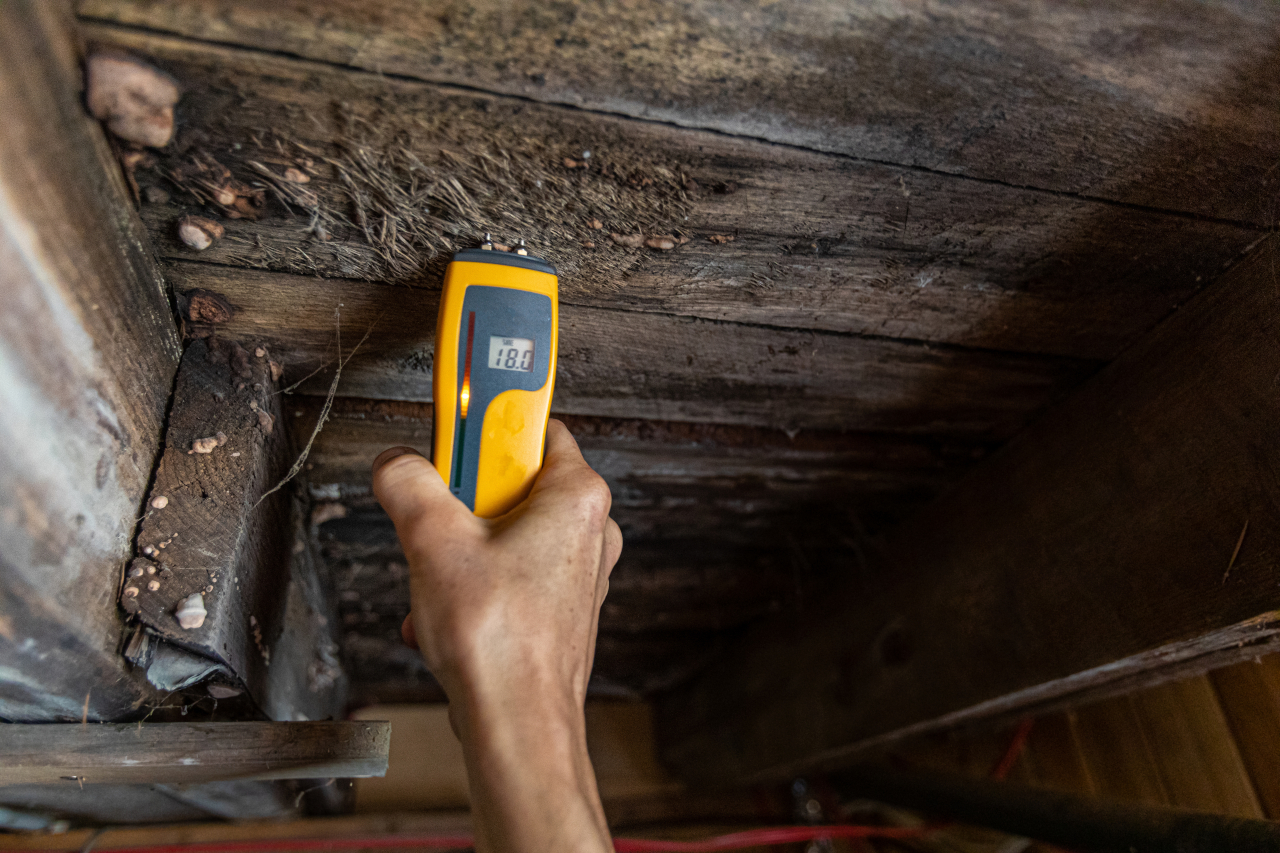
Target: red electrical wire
<point>734,841</point>
<point>1005,764</point>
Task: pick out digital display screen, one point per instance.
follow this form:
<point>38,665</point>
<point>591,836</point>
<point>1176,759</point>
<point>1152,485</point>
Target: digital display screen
<point>511,353</point>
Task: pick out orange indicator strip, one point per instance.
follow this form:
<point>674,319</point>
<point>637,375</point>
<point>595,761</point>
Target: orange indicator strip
<point>466,370</point>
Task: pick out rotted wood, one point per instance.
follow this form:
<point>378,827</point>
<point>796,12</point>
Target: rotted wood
<point>72,754</point>
<point>399,174</point>
<point>88,349</point>
<point>1158,104</point>
<point>714,372</point>
<point>213,540</point>
<point>1103,548</point>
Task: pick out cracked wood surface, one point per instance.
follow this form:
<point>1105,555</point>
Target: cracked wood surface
<point>820,241</point>
<point>1167,105</point>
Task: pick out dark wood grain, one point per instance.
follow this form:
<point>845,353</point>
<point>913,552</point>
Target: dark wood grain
<point>88,348</point>
<point>725,373</point>
<point>207,528</point>
<point>820,242</point>
<point>191,752</point>
<point>1160,104</point>
<point>1090,550</point>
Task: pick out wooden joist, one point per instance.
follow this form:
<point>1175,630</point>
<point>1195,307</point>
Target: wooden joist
<point>73,754</point>
<point>88,348</point>
<point>646,365</point>
<point>1103,547</point>
<point>820,242</point>
<point>1165,105</point>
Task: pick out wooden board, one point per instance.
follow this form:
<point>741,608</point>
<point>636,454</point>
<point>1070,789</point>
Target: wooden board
<point>713,372</point>
<point>820,242</point>
<point>88,349</point>
<point>205,532</point>
<point>721,525</point>
<point>71,754</point>
<point>1160,104</point>
<point>1250,696</point>
<point>1091,549</point>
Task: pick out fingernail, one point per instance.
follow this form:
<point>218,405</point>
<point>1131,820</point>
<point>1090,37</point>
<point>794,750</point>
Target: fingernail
<point>391,453</point>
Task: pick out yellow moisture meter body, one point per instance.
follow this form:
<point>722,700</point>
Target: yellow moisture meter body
<point>494,372</point>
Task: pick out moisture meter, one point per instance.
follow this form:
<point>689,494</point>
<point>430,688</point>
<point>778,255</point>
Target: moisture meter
<point>495,367</point>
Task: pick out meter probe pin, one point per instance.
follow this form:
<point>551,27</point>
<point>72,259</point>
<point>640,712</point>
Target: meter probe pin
<point>487,245</point>
<point>522,250</point>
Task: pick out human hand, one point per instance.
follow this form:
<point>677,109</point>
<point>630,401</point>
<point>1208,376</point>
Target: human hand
<point>505,612</point>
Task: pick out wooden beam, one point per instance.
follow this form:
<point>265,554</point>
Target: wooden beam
<point>723,373</point>
<point>1089,554</point>
<point>72,754</point>
<point>1159,104</point>
<point>820,241</point>
<point>88,349</point>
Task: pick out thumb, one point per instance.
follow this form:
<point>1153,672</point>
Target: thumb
<point>408,486</point>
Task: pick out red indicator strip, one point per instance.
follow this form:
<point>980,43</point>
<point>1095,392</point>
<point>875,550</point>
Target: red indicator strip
<point>464,399</point>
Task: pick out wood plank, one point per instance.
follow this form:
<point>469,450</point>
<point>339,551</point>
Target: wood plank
<point>820,241</point>
<point>1091,549</point>
<point>1250,697</point>
<point>222,831</point>
<point>1195,751</point>
<point>190,752</point>
<point>1123,763</point>
<point>206,531</point>
<point>712,372</point>
<point>1151,103</point>
<point>88,348</point>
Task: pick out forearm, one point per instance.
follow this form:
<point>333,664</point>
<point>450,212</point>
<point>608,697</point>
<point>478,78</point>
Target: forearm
<point>532,785</point>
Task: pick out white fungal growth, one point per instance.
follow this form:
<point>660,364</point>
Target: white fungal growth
<point>159,502</point>
<point>153,585</point>
<point>204,445</point>
<point>190,613</point>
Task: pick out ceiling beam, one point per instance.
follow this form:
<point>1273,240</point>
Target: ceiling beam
<point>1104,546</point>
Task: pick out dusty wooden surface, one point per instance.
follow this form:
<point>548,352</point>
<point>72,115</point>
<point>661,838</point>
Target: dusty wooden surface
<point>820,242</point>
<point>68,754</point>
<point>1165,105</point>
<point>1092,548</point>
<point>88,347</point>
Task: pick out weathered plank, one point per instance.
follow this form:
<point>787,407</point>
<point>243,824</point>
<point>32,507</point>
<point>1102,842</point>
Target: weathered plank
<point>1092,549</point>
<point>1160,104</point>
<point>819,241</point>
<point>204,532</point>
<point>215,530</point>
<point>671,479</point>
<point>722,525</point>
<point>71,754</point>
<point>88,349</point>
<point>640,365</point>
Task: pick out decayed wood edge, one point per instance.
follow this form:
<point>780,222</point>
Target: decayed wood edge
<point>215,535</point>
<point>191,752</point>
<point>725,373</point>
<point>821,241</point>
<point>90,352</point>
<point>942,90</point>
<point>1029,583</point>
